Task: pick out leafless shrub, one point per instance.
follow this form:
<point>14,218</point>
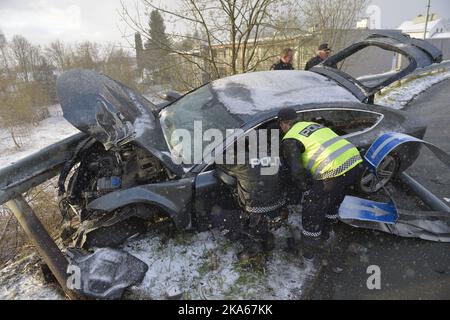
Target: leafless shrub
<point>13,240</point>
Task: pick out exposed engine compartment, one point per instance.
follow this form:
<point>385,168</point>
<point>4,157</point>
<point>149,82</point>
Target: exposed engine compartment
<point>93,172</point>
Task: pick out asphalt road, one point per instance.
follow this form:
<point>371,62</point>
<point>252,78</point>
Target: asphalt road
<point>409,268</point>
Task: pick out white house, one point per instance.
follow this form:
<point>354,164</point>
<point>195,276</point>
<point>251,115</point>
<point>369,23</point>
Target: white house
<point>436,28</point>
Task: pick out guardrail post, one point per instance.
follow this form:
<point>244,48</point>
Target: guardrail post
<point>423,193</point>
<point>47,248</point>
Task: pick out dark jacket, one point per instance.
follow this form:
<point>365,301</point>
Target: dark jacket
<point>291,151</point>
<point>314,62</point>
<point>254,189</point>
<point>282,66</point>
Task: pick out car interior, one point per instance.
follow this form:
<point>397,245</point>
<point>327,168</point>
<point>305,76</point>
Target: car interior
<point>341,121</point>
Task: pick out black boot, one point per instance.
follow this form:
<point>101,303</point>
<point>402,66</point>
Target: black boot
<point>257,238</point>
<point>251,249</point>
<point>310,246</point>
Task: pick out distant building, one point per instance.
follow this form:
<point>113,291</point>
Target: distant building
<point>363,23</point>
<point>435,29</point>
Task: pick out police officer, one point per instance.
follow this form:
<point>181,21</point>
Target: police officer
<point>260,197</point>
<point>285,62</point>
<point>323,52</point>
<point>322,165</point>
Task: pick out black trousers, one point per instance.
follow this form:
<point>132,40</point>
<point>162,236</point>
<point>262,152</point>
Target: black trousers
<point>321,202</point>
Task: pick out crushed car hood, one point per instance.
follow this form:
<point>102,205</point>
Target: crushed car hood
<point>111,112</point>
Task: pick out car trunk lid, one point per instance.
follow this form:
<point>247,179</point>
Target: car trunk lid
<point>418,53</point>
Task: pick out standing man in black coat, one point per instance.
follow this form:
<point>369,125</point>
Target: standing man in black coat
<point>323,52</point>
<point>285,62</point>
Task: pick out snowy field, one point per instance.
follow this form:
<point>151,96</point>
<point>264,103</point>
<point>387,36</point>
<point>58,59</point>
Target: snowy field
<point>196,266</point>
<point>49,131</point>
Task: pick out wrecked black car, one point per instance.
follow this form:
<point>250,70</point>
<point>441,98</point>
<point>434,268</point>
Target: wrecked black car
<point>122,178</point>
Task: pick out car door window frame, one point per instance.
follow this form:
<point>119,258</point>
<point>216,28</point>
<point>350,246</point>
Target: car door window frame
<point>209,166</point>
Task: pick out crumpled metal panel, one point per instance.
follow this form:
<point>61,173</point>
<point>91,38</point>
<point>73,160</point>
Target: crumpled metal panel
<point>414,225</point>
<point>362,213</point>
<point>107,272</point>
<point>387,142</point>
<point>362,209</point>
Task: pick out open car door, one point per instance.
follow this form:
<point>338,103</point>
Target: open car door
<point>418,54</point>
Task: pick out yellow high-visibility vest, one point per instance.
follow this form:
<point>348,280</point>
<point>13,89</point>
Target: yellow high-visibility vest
<point>326,154</point>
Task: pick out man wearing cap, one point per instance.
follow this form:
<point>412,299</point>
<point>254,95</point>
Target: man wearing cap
<point>285,62</point>
<point>323,52</point>
<point>323,166</point>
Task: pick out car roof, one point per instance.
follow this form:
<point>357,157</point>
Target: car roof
<point>250,94</point>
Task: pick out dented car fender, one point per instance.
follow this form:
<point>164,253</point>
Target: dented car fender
<point>176,204</point>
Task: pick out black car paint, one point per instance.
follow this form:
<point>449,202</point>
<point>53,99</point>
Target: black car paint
<point>198,193</point>
<point>208,193</point>
<point>173,197</point>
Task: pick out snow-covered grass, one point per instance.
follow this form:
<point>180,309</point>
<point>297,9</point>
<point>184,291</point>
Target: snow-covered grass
<point>23,280</point>
<point>49,131</point>
<point>205,266</point>
<point>398,97</point>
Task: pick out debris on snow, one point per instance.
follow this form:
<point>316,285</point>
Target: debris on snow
<point>205,266</point>
<point>190,266</point>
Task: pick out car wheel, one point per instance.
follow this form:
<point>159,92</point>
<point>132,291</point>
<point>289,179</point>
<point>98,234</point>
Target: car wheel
<point>369,183</point>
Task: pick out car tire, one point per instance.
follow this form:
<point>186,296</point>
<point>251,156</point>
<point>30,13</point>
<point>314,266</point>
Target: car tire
<point>368,183</point>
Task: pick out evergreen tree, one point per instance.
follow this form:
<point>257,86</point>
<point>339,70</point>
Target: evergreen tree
<point>157,48</point>
<point>158,40</point>
<point>139,51</point>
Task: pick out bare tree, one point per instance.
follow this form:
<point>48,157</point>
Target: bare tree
<point>60,54</point>
<point>87,55</point>
<point>331,21</point>
<point>229,32</point>
<point>117,63</point>
<point>25,55</point>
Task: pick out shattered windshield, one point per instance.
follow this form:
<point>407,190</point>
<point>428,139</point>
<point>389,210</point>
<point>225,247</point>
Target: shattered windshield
<point>198,110</point>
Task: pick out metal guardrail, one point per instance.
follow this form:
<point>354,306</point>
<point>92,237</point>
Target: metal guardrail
<point>26,174</point>
<point>36,168</point>
<point>368,80</point>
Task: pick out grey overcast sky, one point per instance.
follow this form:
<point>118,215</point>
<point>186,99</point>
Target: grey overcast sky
<point>42,21</point>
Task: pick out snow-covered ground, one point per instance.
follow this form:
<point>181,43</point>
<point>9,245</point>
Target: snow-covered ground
<point>199,266</point>
<point>23,280</point>
<point>195,266</point>
<point>205,266</point>
<point>49,131</point>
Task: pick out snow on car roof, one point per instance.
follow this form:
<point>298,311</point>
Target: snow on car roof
<point>250,93</point>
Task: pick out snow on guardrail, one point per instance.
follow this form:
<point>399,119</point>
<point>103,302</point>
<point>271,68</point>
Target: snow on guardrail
<point>382,76</point>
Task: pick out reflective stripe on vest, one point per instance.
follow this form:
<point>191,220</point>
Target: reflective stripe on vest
<point>326,154</point>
